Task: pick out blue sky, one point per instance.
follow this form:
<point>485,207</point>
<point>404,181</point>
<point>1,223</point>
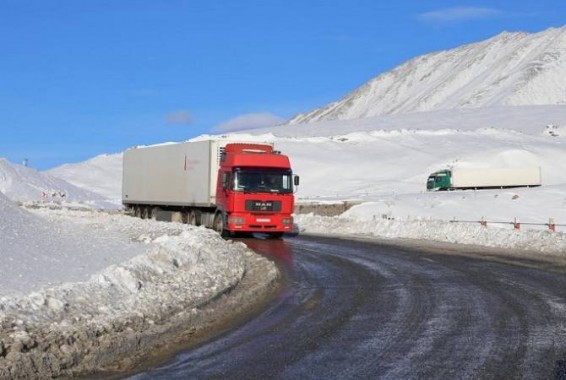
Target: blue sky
<point>80,77</point>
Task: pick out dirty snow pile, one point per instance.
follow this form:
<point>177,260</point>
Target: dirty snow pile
<point>91,272</point>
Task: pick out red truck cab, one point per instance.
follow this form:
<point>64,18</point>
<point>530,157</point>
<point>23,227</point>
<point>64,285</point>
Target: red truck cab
<point>255,190</point>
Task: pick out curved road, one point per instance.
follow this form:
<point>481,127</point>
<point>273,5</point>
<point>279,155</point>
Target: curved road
<point>356,309</point>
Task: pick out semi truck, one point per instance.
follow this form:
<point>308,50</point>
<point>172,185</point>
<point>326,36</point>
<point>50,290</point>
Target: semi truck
<point>232,187</point>
<point>484,178</point>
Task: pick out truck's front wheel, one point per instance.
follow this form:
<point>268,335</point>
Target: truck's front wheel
<point>218,224</point>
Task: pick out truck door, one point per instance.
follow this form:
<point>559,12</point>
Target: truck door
<point>223,187</point>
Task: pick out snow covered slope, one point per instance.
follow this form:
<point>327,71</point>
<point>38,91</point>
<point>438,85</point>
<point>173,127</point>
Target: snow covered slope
<point>386,160</point>
<point>20,183</point>
<point>37,252</point>
<point>88,175</point>
<point>508,69</point>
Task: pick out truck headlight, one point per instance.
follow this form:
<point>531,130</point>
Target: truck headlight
<point>287,221</point>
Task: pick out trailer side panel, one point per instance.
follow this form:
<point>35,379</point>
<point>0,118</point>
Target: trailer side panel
<point>171,174</point>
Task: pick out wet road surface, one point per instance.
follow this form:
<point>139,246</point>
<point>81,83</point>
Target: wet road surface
<point>356,309</point>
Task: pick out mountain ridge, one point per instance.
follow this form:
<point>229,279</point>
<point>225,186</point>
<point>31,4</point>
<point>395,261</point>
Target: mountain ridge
<point>511,68</point>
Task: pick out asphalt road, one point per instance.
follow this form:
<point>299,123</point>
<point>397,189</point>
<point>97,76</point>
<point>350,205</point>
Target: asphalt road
<point>356,309</point>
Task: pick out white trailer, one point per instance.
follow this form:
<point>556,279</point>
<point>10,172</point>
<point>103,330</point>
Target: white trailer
<point>483,178</point>
<point>180,174</point>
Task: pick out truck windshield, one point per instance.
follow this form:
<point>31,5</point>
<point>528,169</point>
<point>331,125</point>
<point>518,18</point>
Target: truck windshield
<point>263,181</point>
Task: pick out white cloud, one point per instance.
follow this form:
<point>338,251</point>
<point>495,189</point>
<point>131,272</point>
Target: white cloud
<point>459,14</point>
<point>249,121</point>
<point>179,117</point>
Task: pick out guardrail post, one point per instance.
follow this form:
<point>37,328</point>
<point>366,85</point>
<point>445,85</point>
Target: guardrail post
<point>551,225</point>
<point>516,225</point>
<point>483,222</point>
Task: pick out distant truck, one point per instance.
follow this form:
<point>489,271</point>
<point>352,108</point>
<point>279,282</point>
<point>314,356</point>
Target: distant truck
<point>228,186</point>
<point>484,178</point>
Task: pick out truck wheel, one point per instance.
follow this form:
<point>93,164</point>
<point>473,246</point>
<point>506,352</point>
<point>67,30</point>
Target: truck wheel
<point>218,225</point>
<point>181,217</point>
<point>143,212</point>
<point>276,235</point>
<point>192,218</point>
<point>137,212</point>
<point>151,212</point>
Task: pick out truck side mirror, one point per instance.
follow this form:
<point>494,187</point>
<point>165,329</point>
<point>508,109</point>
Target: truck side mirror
<point>296,180</point>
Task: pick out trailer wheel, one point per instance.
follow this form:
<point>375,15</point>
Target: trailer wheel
<point>218,224</point>
<point>143,211</point>
<point>183,217</point>
<point>137,212</point>
<point>192,218</point>
<point>152,213</point>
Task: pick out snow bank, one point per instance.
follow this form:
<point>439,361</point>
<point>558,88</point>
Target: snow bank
<point>40,251</point>
<point>181,266</point>
<point>67,327</point>
<point>546,243</point>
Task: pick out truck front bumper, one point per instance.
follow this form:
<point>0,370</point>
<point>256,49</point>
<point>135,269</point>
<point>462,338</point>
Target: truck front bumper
<point>260,223</point>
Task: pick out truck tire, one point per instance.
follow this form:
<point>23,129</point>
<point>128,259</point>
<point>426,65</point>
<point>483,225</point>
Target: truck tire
<point>192,216</point>
<point>218,225</point>
<point>152,213</point>
<point>184,219</point>
<point>143,212</point>
<point>276,235</point>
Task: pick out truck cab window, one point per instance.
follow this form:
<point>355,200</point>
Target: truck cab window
<point>263,181</point>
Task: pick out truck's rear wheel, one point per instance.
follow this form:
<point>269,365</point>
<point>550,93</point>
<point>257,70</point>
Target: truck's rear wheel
<point>144,212</point>
<point>152,212</point>
<point>192,218</point>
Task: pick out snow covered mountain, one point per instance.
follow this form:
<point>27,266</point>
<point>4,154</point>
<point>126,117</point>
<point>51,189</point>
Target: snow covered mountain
<point>367,158</point>
<point>509,69</point>
<point>88,175</point>
<point>20,183</point>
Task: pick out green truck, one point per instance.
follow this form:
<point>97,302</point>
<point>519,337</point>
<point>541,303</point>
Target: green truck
<point>484,178</point>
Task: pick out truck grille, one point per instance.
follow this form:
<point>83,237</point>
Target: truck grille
<point>252,205</point>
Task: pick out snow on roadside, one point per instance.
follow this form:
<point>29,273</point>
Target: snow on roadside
<point>64,326</point>
<point>39,251</point>
<point>545,242</point>
<point>182,265</point>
